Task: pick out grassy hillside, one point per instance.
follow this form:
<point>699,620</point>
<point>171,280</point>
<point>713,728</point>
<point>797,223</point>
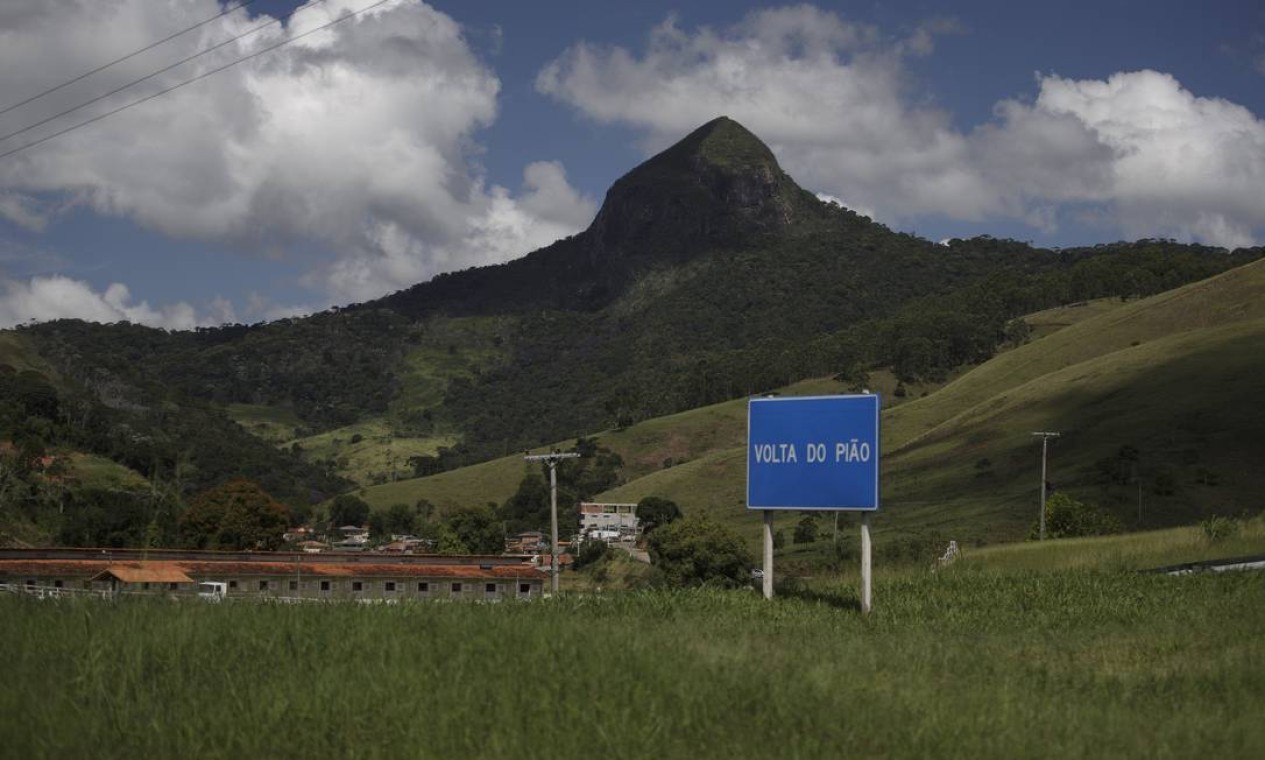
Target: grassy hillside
<point>91,471</point>
<point>1175,377</point>
<point>1231,297</point>
<point>1188,403</point>
<point>1134,551</point>
<point>274,424</point>
<point>476,485</point>
<point>18,353</point>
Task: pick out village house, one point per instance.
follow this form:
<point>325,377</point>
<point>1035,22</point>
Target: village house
<point>608,522</point>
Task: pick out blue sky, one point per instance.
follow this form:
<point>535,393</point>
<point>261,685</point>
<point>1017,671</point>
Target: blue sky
<point>419,138</point>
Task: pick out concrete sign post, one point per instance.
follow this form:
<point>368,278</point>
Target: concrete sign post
<point>814,453</point>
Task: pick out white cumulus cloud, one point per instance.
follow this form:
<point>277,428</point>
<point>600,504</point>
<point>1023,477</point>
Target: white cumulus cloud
<point>57,297</point>
<point>354,142</point>
<point>1164,160</point>
<point>1136,151</point>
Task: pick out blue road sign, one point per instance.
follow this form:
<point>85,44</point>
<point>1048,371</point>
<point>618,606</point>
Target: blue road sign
<point>813,452</point>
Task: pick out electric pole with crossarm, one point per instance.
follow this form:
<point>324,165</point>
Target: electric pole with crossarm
<point>1045,442</point>
<point>552,459</point>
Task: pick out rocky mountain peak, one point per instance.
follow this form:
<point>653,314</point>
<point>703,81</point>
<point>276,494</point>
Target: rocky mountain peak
<point>717,186</point>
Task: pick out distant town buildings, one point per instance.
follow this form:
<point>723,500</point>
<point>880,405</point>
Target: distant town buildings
<point>288,576</point>
<point>608,522</point>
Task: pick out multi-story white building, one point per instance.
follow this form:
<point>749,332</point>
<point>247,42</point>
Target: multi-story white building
<point>608,521</point>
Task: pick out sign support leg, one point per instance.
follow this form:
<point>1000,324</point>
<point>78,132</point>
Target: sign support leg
<point>768,554</point>
<point>867,570</point>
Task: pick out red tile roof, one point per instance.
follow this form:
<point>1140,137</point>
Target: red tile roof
<point>165,572</point>
<point>144,572</point>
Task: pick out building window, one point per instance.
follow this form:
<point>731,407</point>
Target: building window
<point>524,589</point>
<point>263,585</point>
<point>389,586</point>
<point>456,588</point>
<point>489,590</point>
<point>58,584</point>
<point>232,584</point>
<point>423,588</point>
<point>145,586</point>
<point>357,586</point>
<point>324,585</point>
<point>170,586</point>
<point>294,585</point>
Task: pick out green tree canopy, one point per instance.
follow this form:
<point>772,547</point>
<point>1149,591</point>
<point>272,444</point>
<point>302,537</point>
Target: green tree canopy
<point>806,530</point>
<point>528,508</point>
<point>694,551</point>
<point>1066,517</point>
<point>472,530</point>
<point>401,518</point>
<point>348,509</point>
<point>237,515</point>
<point>655,511</point>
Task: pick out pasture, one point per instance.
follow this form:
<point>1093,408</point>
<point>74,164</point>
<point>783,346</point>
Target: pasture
<point>974,661</point>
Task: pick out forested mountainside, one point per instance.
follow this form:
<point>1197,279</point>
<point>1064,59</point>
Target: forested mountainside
<point>707,274</point>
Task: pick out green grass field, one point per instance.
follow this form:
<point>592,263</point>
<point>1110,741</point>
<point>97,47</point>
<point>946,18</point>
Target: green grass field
<point>972,662</point>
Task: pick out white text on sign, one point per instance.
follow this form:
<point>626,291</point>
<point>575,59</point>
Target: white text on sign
<point>845,452</point>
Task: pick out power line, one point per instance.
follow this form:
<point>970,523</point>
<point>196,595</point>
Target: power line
<point>133,54</point>
<point>199,77</point>
<point>149,76</point>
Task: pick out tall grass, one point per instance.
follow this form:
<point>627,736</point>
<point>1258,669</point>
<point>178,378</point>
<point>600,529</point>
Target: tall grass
<point>1132,551</point>
<point>966,663</point>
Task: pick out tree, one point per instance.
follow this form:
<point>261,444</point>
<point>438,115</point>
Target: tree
<point>348,509</point>
<point>400,518</point>
<point>1066,517</point>
<point>694,551</point>
<point>378,526</point>
<point>528,508</point>
<point>806,530</point>
<point>475,529</point>
<point>590,552</point>
<point>237,515</point>
<point>656,511</point>
<point>109,518</point>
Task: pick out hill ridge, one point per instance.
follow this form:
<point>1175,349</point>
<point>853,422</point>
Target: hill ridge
<point>1249,276</point>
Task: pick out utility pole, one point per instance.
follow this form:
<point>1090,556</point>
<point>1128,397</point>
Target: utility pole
<point>552,459</point>
<point>1045,442</point>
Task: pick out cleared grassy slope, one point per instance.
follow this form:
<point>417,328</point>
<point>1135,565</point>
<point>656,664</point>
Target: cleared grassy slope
<point>1189,403</point>
<point>16,352</point>
<point>651,449</point>
<point>1177,375</point>
<point>476,485</point>
<point>1233,296</point>
<point>1133,551</point>
<point>91,471</point>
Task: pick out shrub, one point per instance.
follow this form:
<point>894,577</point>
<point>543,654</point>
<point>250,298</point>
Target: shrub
<point>1219,528</point>
<point>806,530</point>
<point>1066,517</point>
<point>591,552</point>
<point>694,551</point>
<point>656,511</point>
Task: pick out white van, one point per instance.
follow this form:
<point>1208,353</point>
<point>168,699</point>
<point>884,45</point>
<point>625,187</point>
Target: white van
<point>212,591</point>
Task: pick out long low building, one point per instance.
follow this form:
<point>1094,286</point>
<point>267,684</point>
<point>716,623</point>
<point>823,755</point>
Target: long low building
<point>281,576</point>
